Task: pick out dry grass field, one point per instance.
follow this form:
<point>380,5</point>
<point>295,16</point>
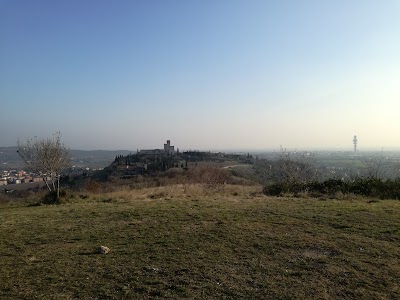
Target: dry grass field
<point>193,242</point>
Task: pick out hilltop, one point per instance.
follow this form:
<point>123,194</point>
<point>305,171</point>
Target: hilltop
<point>180,242</point>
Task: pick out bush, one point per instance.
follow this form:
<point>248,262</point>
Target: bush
<point>51,197</point>
<point>211,177</point>
<point>93,186</point>
<point>284,187</point>
<point>369,187</point>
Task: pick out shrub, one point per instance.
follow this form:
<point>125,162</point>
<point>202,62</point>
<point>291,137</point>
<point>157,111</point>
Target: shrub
<point>52,197</point>
<point>284,187</point>
<point>369,187</point>
<point>211,177</point>
<point>92,186</point>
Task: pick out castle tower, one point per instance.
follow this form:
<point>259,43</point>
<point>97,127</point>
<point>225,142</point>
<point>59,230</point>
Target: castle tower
<point>168,148</point>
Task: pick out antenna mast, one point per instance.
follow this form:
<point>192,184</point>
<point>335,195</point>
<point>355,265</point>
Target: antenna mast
<point>355,141</point>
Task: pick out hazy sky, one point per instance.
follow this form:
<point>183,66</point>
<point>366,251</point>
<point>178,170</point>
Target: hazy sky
<point>217,74</point>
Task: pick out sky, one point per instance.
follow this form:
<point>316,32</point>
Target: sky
<point>207,75</point>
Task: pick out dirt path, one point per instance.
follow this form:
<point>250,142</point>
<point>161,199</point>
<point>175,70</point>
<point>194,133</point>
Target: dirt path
<point>236,166</point>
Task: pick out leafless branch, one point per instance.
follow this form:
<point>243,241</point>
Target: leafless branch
<point>46,157</point>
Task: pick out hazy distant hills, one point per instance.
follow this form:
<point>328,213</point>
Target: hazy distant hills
<point>85,158</point>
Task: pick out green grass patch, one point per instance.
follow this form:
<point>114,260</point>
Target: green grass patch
<point>201,248</point>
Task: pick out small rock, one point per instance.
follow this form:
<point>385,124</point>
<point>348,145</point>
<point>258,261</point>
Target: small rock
<point>103,250</point>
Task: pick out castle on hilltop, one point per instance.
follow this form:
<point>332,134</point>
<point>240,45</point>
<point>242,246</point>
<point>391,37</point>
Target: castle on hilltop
<point>151,161</point>
<point>168,149</point>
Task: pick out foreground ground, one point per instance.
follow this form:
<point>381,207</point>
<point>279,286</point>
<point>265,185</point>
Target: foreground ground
<point>225,245</point>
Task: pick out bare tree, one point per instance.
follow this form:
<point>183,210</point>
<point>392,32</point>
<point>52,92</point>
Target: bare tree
<point>379,167</point>
<point>295,166</point>
<point>46,157</point>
